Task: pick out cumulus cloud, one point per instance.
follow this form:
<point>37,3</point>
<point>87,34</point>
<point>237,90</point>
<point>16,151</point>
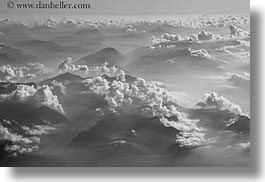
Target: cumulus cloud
<point>39,69</point>
<point>155,101</point>
<point>190,134</point>
<point>205,35</point>
<point>200,53</point>
<point>170,40</point>
<point>131,30</point>
<point>30,72</point>
<point>171,37</point>
<point>104,69</point>
<point>237,50</point>
<point>64,65</point>
<point>239,79</point>
<point>98,85</point>
<point>19,144</point>
<point>60,85</point>
<point>42,96</point>
<point>67,66</point>
<point>38,129</point>
<point>214,101</point>
<point>9,73</point>
<point>235,31</point>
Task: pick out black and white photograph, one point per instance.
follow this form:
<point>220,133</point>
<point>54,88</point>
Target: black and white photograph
<point>125,83</point>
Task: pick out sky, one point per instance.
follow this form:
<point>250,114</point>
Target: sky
<point>132,7</point>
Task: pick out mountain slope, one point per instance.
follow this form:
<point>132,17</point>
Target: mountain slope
<point>111,55</point>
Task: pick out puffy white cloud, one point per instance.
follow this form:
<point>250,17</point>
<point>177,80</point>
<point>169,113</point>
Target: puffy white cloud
<point>42,96</point>
<point>193,37</point>
<point>205,35</point>
<point>237,50</point>
<point>131,30</point>
<point>171,37</point>
<point>27,73</point>
<point>98,85</point>
<point>81,68</point>
<point>200,53</point>
<point>155,101</point>
<point>64,65</point>
<point>38,129</point>
<point>67,66</point>
<point>150,94</point>
<point>39,69</point>
<point>84,70</point>
<point>239,79</point>
<point>19,144</point>
<point>190,135</point>
<point>9,73</point>
<point>170,40</point>
<point>235,31</point>
<point>214,101</point>
<point>60,85</point>
<point>109,71</point>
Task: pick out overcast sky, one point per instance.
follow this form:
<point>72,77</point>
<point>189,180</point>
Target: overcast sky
<point>134,7</point>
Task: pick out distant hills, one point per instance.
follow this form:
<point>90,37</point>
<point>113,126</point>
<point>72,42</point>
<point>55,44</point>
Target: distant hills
<point>111,55</point>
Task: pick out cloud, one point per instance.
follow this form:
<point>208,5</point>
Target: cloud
<point>84,70</point>
<point>239,79</point>
<point>155,101</point>
<point>214,101</point>
<point>204,35</point>
<point>131,30</point>
<point>97,84</point>
<point>170,40</point>
<point>150,94</point>
<point>19,144</point>
<point>64,65</point>
<point>9,73</point>
<point>200,53</point>
<point>235,31</point>
<point>190,134</point>
<point>59,85</point>
<point>193,37</point>
<point>237,50</point>
<point>27,73</point>
<point>67,66</point>
<point>38,129</point>
<point>171,37</point>
<point>42,96</point>
<point>243,145</point>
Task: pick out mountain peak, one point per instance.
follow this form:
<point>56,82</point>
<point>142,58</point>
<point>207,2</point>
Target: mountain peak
<point>109,54</point>
<point>62,77</point>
